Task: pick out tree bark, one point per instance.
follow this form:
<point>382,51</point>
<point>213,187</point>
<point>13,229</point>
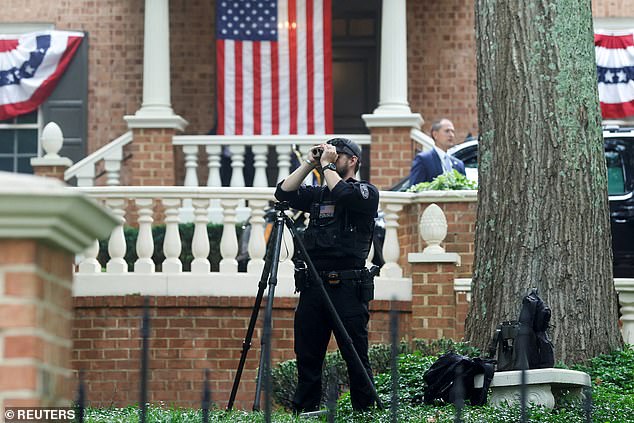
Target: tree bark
<point>543,215</point>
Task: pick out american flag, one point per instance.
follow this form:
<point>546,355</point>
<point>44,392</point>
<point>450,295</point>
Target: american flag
<point>615,70</point>
<point>30,67</point>
<point>274,64</point>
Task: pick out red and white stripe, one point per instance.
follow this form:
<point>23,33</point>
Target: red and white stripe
<point>283,86</point>
<point>26,96</point>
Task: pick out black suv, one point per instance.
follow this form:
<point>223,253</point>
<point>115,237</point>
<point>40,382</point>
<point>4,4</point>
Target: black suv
<point>619,157</point>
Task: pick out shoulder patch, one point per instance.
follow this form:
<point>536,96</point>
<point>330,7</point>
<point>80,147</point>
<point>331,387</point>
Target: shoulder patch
<point>365,193</point>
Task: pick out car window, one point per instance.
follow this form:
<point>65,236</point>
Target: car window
<point>616,174</point>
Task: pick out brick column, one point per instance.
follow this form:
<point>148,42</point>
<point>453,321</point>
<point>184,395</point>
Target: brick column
<point>434,302</point>
<point>42,225</point>
<point>392,150</point>
<point>436,311</point>
<point>150,157</point>
<point>391,155</point>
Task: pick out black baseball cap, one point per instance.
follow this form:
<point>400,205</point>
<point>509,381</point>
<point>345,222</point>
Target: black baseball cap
<point>346,146</point>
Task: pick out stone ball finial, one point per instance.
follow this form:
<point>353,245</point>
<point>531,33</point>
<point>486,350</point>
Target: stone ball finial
<point>433,229</point>
<point>52,140</point>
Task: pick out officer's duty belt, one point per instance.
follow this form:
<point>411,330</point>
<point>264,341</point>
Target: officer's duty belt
<point>337,276</point>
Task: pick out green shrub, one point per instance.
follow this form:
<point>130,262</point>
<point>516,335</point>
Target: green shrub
<point>612,372</point>
<point>445,182</point>
<point>284,375</point>
<point>186,230</point>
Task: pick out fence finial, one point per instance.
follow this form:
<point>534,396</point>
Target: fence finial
<point>433,229</point>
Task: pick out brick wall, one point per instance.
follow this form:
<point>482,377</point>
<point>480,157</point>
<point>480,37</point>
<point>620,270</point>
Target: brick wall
<point>461,220</point>
<point>188,334</point>
<point>441,63</point>
<point>390,153</point>
<point>437,310</point>
<point>35,324</point>
<point>441,59</point>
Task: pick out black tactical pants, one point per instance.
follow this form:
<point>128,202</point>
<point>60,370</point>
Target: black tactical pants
<point>313,327</point>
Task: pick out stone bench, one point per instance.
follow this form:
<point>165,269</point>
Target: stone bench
<point>542,386</point>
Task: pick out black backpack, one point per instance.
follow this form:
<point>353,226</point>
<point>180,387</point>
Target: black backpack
<point>451,377</point>
<point>524,343</point>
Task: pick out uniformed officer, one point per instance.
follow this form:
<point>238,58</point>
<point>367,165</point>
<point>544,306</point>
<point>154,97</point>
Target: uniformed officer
<point>337,239</point>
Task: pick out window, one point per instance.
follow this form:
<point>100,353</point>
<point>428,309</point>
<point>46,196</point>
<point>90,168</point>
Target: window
<point>66,106</point>
<point>616,173</point>
<point>19,143</point>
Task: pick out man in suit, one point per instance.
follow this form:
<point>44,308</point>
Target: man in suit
<point>429,164</point>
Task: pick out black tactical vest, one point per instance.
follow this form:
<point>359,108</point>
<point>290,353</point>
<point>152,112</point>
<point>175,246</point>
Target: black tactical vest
<point>335,232</point>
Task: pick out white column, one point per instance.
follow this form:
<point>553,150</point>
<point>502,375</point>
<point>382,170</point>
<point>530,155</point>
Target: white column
<point>229,240</point>
<point>112,165</point>
<point>214,180</point>
<point>625,289</point>
<point>116,243</point>
<point>144,242</point>
<point>259,162</point>
<point>156,109</point>
<point>257,244</point>
<point>237,166</point>
<point>172,245</point>
<point>90,264</point>
<point>283,161</point>
<point>391,247</point>
<point>186,213</point>
<point>393,82</point>
<point>393,107</point>
<point>200,240</point>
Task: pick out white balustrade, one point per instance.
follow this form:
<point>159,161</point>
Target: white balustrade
<point>90,264</point>
<point>213,180</point>
<point>200,240</point>
<point>172,245</point>
<point>112,165</point>
<point>391,247</point>
<point>116,244</point>
<point>625,288</point>
<point>191,165</point>
<point>144,242</point>
<point>229,240</point>
<point>111,154</point>
<point>260,153</point>
<point>237,166</point>
<point>260,144</point>
<point>283,161</point>
<point>213,163</point>
<point>257,244</point>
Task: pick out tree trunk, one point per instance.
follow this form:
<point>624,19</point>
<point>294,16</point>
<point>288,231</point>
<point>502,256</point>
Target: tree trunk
<point>543,216</point>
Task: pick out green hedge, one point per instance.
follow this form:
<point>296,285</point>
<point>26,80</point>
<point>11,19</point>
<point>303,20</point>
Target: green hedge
<point>335,373</point>
<point>186,230</point>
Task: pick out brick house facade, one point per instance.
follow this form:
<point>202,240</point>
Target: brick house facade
<point>192,333</point>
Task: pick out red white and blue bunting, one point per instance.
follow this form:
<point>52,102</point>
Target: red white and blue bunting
<point>614,52</point>
<point>30,67</point>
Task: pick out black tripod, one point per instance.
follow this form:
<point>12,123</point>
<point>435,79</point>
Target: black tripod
<point>269,273</point>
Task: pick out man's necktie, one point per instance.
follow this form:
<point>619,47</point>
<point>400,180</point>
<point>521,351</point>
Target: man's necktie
<point>448,166</point>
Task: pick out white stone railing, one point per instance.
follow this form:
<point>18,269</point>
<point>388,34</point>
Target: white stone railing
<point>237,144</point>
<point>111,154</point>
<point>624,288</point>
<point>115,279</point>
